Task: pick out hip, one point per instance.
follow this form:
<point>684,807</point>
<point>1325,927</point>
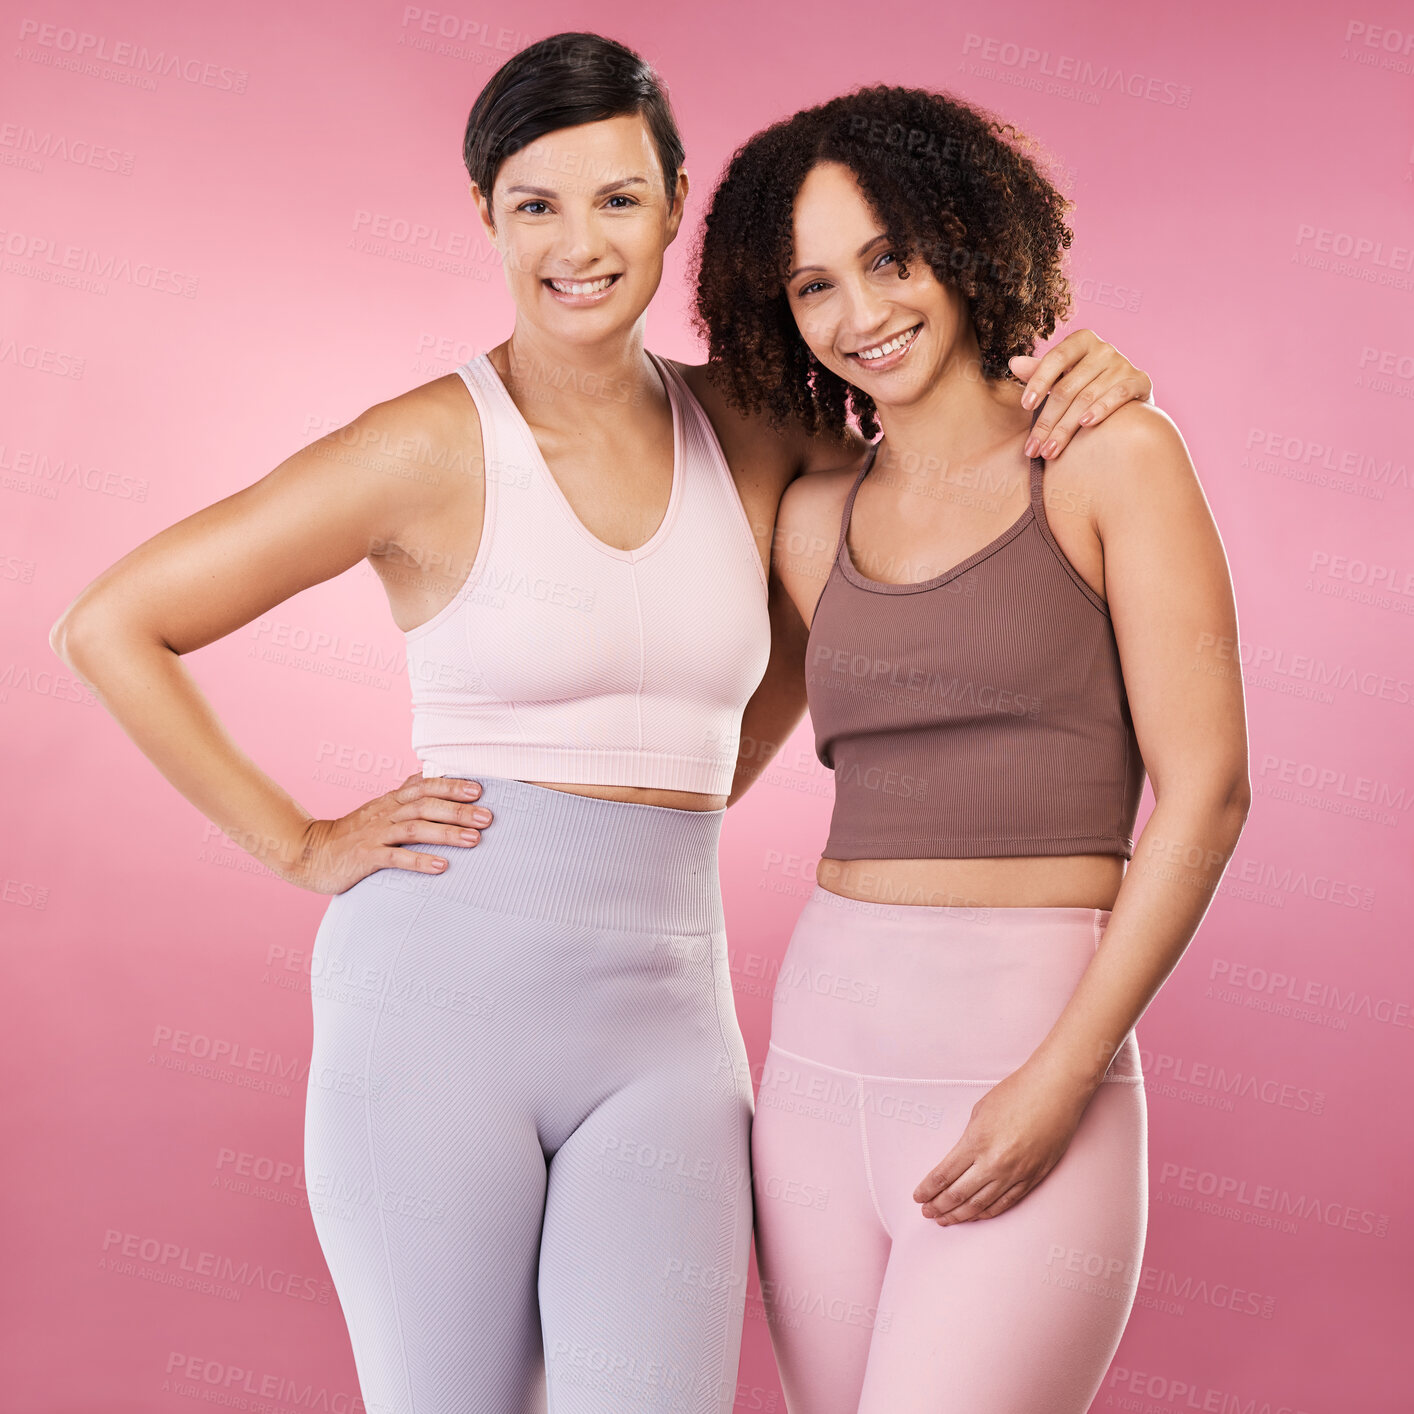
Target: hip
<point>570,905</point>
<point>562,857</point>
<point>936,993</point>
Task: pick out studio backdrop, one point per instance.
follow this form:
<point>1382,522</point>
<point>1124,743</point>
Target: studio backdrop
<point>227,231</point>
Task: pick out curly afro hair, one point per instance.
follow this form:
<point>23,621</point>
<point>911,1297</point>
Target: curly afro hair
<point>947,186</point>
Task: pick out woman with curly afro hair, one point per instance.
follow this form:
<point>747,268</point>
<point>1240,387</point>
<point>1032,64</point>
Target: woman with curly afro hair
<point>949,1146</point>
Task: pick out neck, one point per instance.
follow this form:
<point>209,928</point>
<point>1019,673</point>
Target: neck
<point>958,422</point>
<point>578,380</point>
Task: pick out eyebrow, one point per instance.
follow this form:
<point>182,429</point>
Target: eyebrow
<point>872,241</point>
<point>607,187</point>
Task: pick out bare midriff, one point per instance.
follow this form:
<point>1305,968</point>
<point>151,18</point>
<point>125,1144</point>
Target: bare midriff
<point>642,795</point>
<point>1059,881</point>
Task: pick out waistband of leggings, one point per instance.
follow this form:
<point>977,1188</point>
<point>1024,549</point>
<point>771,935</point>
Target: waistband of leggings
<point>582,860</point>
<point>905,919</point>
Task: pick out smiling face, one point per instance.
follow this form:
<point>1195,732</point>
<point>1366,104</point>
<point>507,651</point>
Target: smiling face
<point>889,337</point>
<point>581,220</point>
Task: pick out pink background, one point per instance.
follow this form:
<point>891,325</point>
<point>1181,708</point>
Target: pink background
<point>1243,175</point>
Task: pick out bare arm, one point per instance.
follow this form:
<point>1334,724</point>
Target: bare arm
<point>801,544</point>
<point>1171,603</point>
<point>778,703</point>
<point>315,515</point>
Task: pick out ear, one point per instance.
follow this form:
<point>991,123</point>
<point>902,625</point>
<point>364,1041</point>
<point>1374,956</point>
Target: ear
<point>679,205</point>
<point>483,212</point>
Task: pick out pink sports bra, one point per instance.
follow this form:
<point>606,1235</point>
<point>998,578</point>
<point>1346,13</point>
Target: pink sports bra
<point>562,658</point>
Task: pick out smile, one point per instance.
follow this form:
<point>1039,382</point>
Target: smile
<point>891,350</point>
<point>582,289</point>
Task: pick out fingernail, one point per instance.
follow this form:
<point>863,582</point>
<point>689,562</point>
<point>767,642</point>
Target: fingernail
<point>1030,447</point>
<point>470,789</point>
<point>1084,420</point>
<point>1027,398</point>
<point>470,836</point>
<point>482,817</point>
<point>1050,449</point>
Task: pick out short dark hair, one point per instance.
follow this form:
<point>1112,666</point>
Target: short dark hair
<point>951,184</point>
<point>560,82</point>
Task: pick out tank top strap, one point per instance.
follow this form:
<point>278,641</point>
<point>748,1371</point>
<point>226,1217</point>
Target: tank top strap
<point>672,383</point>
<point>688,417</point>
<point>504,432</point>
<point>849,500</point>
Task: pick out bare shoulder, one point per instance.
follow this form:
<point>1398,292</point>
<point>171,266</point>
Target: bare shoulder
<point>437,416</point>
<point>1135,459</point>
<point>422,447</point>
<point>759,454</point>
<point>808,532</point>
<point>816,500</point>
<point>1133,434</point>
<point>791,450</point>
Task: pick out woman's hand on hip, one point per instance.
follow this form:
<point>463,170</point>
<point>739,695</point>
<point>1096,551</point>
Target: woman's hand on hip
<point>1017,1134</point>
<point>333,855</point>
<point>1086,380</point>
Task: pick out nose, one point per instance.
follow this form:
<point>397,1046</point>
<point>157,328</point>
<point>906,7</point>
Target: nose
<point>865,314</point>
<point>581,240</point>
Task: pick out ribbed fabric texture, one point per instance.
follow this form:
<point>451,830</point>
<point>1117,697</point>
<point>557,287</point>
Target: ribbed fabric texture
<point>981,713</point>
<point>562,658</point>
<point>650,866</point>
<point>528,1117</point>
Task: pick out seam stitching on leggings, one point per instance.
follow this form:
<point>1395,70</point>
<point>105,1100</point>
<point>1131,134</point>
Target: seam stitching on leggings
<point>868,1167</point>
<point>918,1080</point>
<point>569,920</point>
<point>372,1159</point>
<point>726,1378</point>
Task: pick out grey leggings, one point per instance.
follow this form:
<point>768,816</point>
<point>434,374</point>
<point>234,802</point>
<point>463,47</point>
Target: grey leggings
<point>527,1126</point>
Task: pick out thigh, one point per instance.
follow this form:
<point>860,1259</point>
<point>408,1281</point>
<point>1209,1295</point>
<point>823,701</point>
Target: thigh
<point>647,1237</point>
<point>1024,1311</point>
<point>425,1175</point>
<point>821,1248</point>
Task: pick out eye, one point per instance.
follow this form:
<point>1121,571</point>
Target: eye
<point>887,255</point>
<point>806,288</point>
<point>631,201</point>
<point>525,205</point>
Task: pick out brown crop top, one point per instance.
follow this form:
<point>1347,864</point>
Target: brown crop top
<point>978,714</point>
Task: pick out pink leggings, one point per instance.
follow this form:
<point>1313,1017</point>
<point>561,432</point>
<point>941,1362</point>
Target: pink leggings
<point>888,1024</point>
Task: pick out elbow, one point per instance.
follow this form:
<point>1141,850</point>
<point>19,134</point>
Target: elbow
<point>1213,805</point>
<point>1229,806</point>
<point>1239,796</point>
<point>60,636</point>
<point>79,633</point>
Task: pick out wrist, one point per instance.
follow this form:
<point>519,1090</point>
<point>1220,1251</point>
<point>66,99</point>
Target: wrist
<point>1080,1070</point>
<point>283,850</point>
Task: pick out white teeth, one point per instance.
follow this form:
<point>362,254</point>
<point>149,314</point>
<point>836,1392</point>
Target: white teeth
<point>893,346</point>
<point>582,287</point>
